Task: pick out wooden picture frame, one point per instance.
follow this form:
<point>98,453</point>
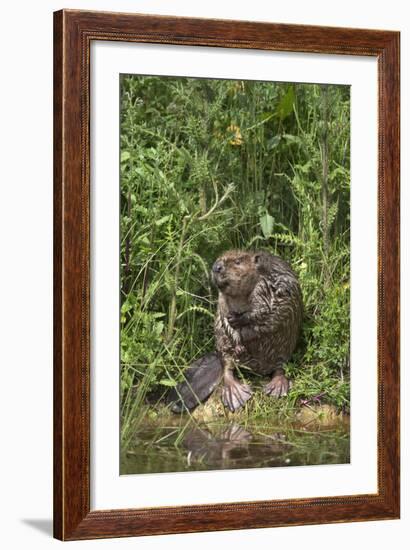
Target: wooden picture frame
<point>73,33</point>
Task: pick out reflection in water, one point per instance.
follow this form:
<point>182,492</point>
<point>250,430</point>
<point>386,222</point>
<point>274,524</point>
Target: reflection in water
<point>193,447</point>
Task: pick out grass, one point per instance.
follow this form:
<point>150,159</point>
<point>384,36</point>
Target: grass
<point>208,165</point>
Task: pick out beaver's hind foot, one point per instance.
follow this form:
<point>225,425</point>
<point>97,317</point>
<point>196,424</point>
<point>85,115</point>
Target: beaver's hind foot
<point>278,386</point>
<point>235,394</point>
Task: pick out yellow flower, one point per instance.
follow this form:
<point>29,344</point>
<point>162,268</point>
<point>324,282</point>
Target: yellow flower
<point>237,136</point>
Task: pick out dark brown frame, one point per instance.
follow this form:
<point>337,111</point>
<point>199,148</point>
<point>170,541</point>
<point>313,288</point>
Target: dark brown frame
<point>73,33</point>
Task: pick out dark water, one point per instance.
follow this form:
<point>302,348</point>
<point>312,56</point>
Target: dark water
<point>193,447</point>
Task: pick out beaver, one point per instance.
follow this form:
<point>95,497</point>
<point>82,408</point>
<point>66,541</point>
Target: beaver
<point>257,325</point>
<point>258,320</point>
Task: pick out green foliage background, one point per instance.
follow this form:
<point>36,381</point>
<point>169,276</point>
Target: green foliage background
<point>208,165</point>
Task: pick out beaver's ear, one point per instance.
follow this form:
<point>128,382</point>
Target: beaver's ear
<point>257,258</point>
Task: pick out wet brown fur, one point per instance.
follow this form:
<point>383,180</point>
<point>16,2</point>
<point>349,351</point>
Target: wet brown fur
<point>258,318</point>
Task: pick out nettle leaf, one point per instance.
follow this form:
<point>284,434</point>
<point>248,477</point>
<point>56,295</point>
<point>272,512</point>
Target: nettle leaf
<point>304,168</point>
<point>273,142</point>
<point>125,155</point>
<point>163,220</point>
<point>126,306</point>
<point>266,222</point>
<point>285,106</point>
<point>159,328</point>
<point>292,139</point>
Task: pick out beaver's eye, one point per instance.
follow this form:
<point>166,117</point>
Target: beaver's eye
<point>238,261</point>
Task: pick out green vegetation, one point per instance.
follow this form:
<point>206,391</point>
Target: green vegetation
<point>208,165</point>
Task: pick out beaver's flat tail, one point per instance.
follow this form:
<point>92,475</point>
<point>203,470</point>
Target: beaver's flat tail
<point>201,379</point>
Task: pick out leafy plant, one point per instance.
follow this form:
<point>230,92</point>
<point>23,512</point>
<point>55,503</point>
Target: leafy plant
<point>208,165</point>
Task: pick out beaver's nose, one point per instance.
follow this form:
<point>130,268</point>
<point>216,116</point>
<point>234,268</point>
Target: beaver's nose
<point>217,267</point>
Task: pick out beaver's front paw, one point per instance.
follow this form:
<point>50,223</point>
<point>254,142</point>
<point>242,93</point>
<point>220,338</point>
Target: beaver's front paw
<point>235,394</point>
<point>238,320</point>
<point>278,386</point>
<point>239,349</point>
